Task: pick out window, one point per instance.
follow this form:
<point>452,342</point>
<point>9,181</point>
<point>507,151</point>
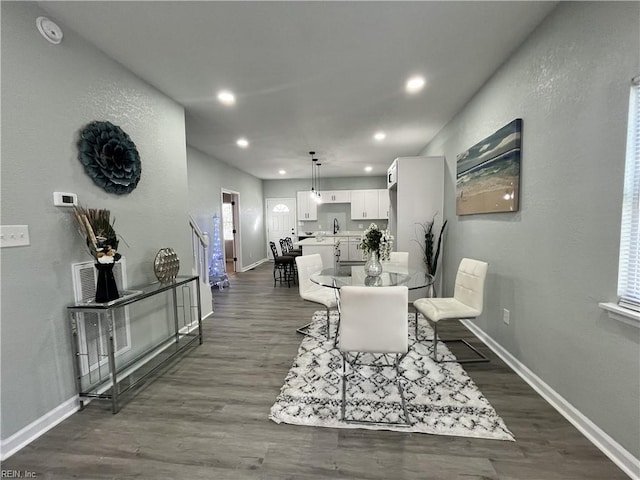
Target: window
<point>227,221</point>
<point>281,208</point>
<point>629,266</point>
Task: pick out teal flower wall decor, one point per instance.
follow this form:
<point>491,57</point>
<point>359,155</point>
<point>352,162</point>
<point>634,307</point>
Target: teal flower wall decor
<point>109,157</point>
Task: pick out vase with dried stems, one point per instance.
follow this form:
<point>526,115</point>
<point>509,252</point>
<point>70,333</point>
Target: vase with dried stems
<point>430,249</point>
<point>96,227</point>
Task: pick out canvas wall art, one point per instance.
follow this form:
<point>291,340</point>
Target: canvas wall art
<point>488,174</point>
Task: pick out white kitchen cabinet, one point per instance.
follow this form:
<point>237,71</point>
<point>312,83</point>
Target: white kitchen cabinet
<point>325,248</point>
<point>364,205</point>
<point>343,248</point>
<point>355,253</point>
<point>307,208</point>
<point>350,249</point>
<point>336,196</point>
<point>383,204</point>
<point>416,197</point>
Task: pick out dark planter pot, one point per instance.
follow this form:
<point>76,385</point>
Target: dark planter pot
<point>106,288</point>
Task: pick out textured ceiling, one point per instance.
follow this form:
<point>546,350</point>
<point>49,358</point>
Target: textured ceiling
<point>321,76</point>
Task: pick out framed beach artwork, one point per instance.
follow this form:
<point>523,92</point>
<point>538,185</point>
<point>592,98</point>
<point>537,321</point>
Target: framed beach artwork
<point>488,174</point>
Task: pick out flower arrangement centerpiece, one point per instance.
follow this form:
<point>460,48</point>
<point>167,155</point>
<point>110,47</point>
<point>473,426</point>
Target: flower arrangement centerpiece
<point>96,227</point>
<point>377,244</point>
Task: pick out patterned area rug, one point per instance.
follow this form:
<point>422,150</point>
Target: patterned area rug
<point>441,398</point>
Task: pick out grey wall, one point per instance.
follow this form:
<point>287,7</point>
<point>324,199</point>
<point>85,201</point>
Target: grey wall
<point>207,178</point>
<point>555,259</point>
<point>326,212</point>
<point>48,93</point>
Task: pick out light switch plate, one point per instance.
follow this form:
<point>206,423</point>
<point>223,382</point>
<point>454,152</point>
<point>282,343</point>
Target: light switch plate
<point>14,236</point>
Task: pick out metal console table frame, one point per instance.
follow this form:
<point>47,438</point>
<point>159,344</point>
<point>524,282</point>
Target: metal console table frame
<point>114,385</point>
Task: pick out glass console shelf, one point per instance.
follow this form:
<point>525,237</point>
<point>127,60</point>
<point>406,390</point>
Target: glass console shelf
<point>95,350</point>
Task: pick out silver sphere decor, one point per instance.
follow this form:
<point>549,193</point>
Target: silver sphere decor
<point>166,265</point>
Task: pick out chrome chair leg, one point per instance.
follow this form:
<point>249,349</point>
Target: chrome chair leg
<point>398,359</point>
<point>482,358</point>
<point>304,330</point>
<point>344,387</point>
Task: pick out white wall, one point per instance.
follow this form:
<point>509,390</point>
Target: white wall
<point>555,259</point>
<point>207,177</point>
<point>48,94</point>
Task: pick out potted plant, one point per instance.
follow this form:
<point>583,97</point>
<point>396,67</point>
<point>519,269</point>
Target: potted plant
<point>431,248</point>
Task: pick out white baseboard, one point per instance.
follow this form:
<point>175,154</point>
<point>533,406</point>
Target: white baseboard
<point>38,427</point>
<point>612,449</point>
<point>254,265</point>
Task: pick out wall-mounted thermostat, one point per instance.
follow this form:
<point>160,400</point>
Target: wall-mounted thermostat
<point>62,199</point>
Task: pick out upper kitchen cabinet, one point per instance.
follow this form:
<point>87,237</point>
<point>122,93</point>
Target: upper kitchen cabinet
<point>370,204</point>
<point>364,205</point>
<point>336,196</point>
<point>384,204</point>
<point>307,208</point>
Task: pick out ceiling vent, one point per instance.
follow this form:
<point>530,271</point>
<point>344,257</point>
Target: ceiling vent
<point>49,30</point>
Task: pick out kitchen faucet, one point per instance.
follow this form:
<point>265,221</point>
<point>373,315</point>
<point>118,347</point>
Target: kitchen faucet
<point>336,226</point>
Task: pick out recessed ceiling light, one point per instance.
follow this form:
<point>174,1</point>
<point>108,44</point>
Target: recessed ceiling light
<point>242,142</point>
<point>415,84</point>
<point>379,136</point>
<point>282,172</point>
<point>368,168</point>
<point>226,97</point>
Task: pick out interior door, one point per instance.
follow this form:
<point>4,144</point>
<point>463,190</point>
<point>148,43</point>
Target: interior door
<point>281,221</point>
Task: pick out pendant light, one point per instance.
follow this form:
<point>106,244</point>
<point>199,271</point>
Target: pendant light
<point>313,183</point>
<point>318,197</point>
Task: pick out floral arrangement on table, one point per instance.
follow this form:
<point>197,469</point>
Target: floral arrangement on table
<point>377,241</point>
<point>96,227</point>
<point>430,249</point>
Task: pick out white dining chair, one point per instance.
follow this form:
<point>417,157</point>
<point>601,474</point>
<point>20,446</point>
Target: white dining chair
<point>308,265</point>
<point>397,259</point>
<point>373,320</point>
<point>466,303</point>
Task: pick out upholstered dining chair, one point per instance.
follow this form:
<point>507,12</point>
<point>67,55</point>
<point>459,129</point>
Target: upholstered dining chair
<point>374,320</point>
<point>466,303</point>
<point>283,265</point>
<point>312,292</point>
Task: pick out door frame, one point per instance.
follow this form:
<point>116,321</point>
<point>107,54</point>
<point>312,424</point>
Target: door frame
<point>266,222</point>
<point>237,238</point>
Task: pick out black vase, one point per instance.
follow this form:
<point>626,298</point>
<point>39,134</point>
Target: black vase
<point>106,289</point>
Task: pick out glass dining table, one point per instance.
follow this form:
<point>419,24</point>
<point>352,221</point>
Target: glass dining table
<point>338,277</point>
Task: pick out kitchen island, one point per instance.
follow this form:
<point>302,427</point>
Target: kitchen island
<point>346,245</point>
<point>327,247</point>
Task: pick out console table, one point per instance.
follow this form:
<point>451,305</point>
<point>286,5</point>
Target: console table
<point>122,378</point>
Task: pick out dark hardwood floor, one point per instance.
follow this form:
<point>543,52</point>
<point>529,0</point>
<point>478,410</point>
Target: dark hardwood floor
<point>206,417</point>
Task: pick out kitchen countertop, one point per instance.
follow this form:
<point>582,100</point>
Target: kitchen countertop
<point>327,241</point>
<point>346,233</point>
